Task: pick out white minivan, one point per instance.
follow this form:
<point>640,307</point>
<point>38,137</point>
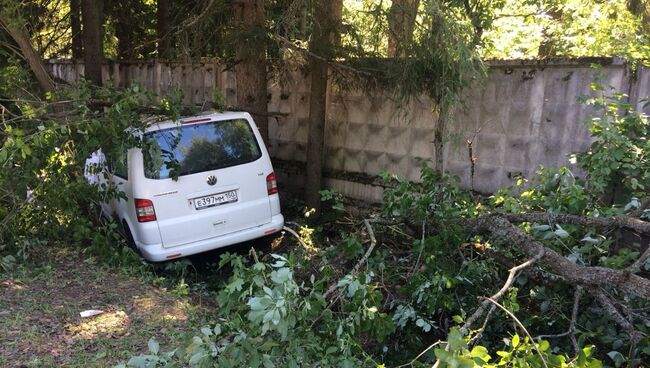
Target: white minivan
<point>206,182</point>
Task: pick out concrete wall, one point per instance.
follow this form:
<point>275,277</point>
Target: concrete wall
<point>524,115</point>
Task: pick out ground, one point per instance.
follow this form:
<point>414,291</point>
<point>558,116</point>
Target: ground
<point>40,325</point>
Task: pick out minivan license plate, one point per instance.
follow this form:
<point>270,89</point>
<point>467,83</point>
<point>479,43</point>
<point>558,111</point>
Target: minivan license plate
<point>215,200</point>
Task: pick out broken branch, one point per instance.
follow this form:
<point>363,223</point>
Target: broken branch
<point>613,221</point>
<point>572,325</point>
<point>500,228</point>
<point>355,269</point>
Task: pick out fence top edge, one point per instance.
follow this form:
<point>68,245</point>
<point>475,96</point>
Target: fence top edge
<point>492,63</point>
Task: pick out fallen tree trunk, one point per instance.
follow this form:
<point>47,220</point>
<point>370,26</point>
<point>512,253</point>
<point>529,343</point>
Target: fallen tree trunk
<point>559,218</point>
<point>592,277</point>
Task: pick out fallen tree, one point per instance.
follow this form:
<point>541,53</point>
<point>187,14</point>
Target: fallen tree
<point>596,280</point>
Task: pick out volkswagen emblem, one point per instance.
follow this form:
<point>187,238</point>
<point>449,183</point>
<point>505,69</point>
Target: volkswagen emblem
<point>212,180</point>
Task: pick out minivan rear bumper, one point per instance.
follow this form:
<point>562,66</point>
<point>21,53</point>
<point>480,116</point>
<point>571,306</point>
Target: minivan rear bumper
<point>157,253</point>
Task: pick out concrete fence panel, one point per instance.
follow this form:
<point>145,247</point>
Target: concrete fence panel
<point>525,114</point>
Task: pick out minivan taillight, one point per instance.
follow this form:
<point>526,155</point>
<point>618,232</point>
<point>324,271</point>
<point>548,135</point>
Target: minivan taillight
<point>271,184</point>
<point>144,210</point>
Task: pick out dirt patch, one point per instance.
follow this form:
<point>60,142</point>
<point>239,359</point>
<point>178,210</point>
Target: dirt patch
<point>40,325</point>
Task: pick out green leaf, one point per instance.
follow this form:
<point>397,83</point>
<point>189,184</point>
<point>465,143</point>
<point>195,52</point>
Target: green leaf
<point>646,350</point>
<point>515,341</point>
<point>197,357</point>
<point>456,340</point>
<point>154,347</point>
<point>480,352</point>
<point>100,355</point>
<point>617,357</point>
<point>235,285</point>
<point>560,232</point>
<point>541,227</point>
<point>543,345</point>
<point>281,275</point>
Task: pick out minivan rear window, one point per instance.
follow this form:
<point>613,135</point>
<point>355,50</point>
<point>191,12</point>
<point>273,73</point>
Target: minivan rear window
<point>194,148</point>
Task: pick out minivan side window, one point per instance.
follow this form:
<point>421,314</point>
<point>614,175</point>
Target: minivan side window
<point>195,148</point>
<point>118,166</point>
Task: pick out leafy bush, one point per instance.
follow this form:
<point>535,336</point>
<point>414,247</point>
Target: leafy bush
<point>267,317</point>
<point>43,147</point>
<point>617,162</point>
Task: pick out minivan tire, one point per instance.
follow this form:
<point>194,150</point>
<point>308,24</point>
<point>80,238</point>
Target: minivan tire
<point>129,237</point>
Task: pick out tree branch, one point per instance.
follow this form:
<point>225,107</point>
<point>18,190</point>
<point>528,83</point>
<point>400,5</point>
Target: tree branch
<point>611,310</point>
<point>636,266</point>
<point>614,221</point>
<point>355,269</point>
<point>572,326</point>
<point>494,298</point>
<point>500,228</point>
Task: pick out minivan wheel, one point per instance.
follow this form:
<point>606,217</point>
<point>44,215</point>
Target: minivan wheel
<point>129,237</point>
<point>267,242</point>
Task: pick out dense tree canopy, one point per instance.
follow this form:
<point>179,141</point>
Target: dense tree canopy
<point>507,29</point>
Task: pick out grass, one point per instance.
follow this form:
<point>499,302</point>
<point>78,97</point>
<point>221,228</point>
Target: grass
<point>40,325</point>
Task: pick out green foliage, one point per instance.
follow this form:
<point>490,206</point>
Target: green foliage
<point>435,196</point>
<point>617,161</point>
<point>266,318</point>
<point>334,198</point>
<point>519,352</point>
<point>218,101</point>
<point>43,148</point>
<point>442,59</point>
<point>566,28</point>
<point>553,190</point>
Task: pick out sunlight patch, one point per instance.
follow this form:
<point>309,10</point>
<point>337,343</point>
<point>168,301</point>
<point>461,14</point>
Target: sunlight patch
<point>11,284</point>
<point>108,323</point>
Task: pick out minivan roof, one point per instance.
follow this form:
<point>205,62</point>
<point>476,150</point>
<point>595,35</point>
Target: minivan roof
<point>205,116</point>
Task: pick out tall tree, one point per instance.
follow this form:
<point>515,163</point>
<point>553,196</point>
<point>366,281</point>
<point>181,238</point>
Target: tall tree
<point>75,25</point>
<point>548,46</point>
<point>250,67</point>
<point>133,23</point>
<point>642,8</point>
<point>401,23</point>
<point>31,56</point>
<point>327,17</point>
<point>92,18</point>
<point>162,28</point>
<point>123,16</point>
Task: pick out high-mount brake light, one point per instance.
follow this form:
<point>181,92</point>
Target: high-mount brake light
<point>190,121</point>
<point>144,210</point>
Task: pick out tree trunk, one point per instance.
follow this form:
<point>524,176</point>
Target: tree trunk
<point>401,23</point>
<point>91,11</point>
<point>250,69</point>
<point>439,139</point>
<point>163,28</point>
<point>548,46</point>
<point>75,24</point>
<point>123,22</point>
<point>31,56</point>
<point>641,8</point>
<point>475,15</point>
<point>327,15</point>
